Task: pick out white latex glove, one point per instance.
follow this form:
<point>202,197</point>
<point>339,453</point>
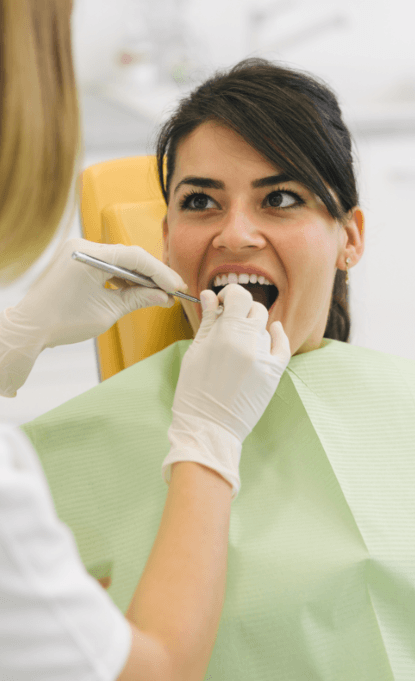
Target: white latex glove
<point>69,304</point>
<point>227,379</point>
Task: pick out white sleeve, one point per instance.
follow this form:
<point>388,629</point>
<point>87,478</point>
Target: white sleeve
<point>56,622</point>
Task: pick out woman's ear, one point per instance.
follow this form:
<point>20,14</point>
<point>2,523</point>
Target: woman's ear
<point>359,219</point>
<point>355,230</point>
<point>359,226</point>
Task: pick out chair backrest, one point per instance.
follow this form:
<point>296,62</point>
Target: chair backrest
<point>121,202</point>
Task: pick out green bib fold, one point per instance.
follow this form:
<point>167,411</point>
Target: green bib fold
<point>321,568</point>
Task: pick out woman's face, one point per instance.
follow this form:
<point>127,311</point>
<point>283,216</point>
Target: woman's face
<point>227,217</point>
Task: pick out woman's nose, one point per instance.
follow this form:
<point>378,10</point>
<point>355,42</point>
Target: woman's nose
<point>238,228</point>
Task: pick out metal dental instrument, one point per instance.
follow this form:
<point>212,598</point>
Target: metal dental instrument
<point>122,273</point>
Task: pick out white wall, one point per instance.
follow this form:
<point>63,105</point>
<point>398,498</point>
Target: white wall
<point>362,47</point>
<point>383,283</point>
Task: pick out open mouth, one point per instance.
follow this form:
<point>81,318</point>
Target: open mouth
<point>261,293</point>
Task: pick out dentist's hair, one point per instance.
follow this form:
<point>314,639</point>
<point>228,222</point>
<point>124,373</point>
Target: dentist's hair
<point>40,141</point>
<point>295,122</point>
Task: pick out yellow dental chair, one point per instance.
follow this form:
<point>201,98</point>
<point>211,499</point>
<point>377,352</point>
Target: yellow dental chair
<point>121,202</point>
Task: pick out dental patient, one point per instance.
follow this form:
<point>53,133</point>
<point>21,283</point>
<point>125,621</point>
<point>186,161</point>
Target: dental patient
<point>260,191</point>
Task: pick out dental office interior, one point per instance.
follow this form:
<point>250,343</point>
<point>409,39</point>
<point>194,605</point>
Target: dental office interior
<point>134,59</point>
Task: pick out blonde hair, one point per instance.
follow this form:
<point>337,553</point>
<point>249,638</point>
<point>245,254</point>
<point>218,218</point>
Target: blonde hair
<point>40,131</point>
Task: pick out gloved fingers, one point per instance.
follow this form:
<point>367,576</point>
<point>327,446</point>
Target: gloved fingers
<point>212,302</point>
<point>140,296</point>
<point>136,297</point>
<point>237,301</point>
<point>280,344</point>
<point>121,283</point>
<point>259,311</point>
<point>139,260</point>
<point>132,258</point>
<point>209,315</point>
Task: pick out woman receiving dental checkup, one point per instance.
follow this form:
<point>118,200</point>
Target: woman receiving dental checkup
<point>56,622</point>
<point>268,406</point>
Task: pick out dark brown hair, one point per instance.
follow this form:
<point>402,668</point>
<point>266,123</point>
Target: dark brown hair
<point>292,120</point>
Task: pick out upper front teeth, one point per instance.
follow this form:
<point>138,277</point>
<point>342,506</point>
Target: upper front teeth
<point>224,279</point>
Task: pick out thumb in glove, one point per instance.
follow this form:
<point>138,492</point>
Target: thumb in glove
<point>211,310</point>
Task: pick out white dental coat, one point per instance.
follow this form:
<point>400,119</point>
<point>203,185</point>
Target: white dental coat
<point>56,622</point>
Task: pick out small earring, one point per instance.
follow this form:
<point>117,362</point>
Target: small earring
<point>347,271</point>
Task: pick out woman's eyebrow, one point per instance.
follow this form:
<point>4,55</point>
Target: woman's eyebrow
<point>209,183</point>
<point>272,179</point>
<point>201,182</point>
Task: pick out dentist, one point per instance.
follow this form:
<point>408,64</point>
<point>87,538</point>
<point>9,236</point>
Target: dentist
<point>56,622</point>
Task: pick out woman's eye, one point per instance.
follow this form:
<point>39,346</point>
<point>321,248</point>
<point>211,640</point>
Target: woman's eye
<point>196,201</point>
<point>283,199</point>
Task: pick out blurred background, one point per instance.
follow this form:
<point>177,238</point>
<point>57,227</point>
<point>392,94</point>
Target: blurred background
<point>134,59</point>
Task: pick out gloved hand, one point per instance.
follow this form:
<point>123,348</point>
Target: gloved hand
<point>227,379</point>
<point>69,304</point>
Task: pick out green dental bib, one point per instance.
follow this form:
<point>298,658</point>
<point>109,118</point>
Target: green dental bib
<point>321,568</point>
